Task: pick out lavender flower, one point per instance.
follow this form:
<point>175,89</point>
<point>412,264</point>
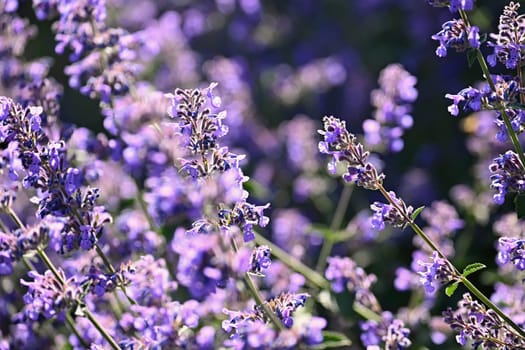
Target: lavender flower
<point>510,249</point>
<point>471,98</point>
<point>344,273</point>
<point>243,215</point>
<point>283,306</point>
<point>509,42</point>
<point>14,245</point>
<point>392,102</point>
<point>389,331</point>
<point>343,147</point>
<point>438,270</point>
<point>397,215</point>
<point>103,58</point>
<point>510,299</point>
<point>49,295</point>
<point>45,167</point>
<point>455,34</point>
<point>453,5</point>
<point>260,260</point>
<point>474,99</point>
<point>443,222</point>
<point>507,176</point>
<point>483,327</point>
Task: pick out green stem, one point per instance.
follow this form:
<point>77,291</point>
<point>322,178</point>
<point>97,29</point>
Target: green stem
<point>71,323</point>
<point>144,208</point>
<point>257,296</point>
<point>311,275</point>
<point>49,264</point>
<point>112,270</point>
<point>29,265</point>
<point>328,244</point>
<point>485,69</point>
<point>15,217</point>
<point>472,288</point>
<point>411,222</point>
<point>101,329</point>
<point>512,134</point>
<point>366,313</point>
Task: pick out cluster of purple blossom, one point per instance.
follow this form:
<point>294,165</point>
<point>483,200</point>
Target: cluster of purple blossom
<point>149,235</point>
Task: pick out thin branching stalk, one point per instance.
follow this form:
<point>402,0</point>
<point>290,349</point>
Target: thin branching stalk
<point>340,211</point>
<point>311,275</point>
<point>257,296</point>
<point>471,287</point>
<point>49,264</point>
<point>485,69</point>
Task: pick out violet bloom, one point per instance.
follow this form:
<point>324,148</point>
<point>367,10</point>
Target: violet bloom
<point>509,42</point>
<point>13,245</point>
<point>453,5</point>
<point>244,215</point>
<point>397,216</point>
<point>260,260</point>
<point>510,250</point>
<point>439,270</point>
<point>201,128</point>
<point>470,98</point>
<point>517,122</point>
<point>102,58</point>
<point>343,147</point>
<point>393,106</point>
<point>389,331</point>
<point>345,273</point>
<point>508,176</point>
<point>455,34</point>
<point>443,221</point>
<point>45,167</point>
<point>49,297</point>
<point>473,322</point>
<point>283,306</point>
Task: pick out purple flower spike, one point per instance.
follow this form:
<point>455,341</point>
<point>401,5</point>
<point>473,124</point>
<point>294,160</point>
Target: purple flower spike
<point>507,176</point>
<point>397,216</point>
<point>389,331</point>
<point>260,260</point>
<point>438,270</point>
<point>343,147</point>
<point>508,43</point>
<point>483,328</point>
<point>455,34</point>
<point>345,273</point>
<point>393,106</point>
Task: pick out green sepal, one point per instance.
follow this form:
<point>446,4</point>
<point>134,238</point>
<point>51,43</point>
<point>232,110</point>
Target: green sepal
<point>470,269</point>
<point>472,57</point>
<point>449,291</point>
<point>333,340</point>
<point>519,205</point>
<point>483,38</point>
<point>416,212</point>
<point>516,106</point>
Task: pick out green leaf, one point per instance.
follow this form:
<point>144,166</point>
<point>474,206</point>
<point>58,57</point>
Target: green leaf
<point>470,269</point>
<point>471,57</point>
<point>516,105</point>
<point>416,212</point>
<point>333,340</point>
<point>330,235</point>
<point>519,205</point>
<point>449,291</point>
<point>483,37</point>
